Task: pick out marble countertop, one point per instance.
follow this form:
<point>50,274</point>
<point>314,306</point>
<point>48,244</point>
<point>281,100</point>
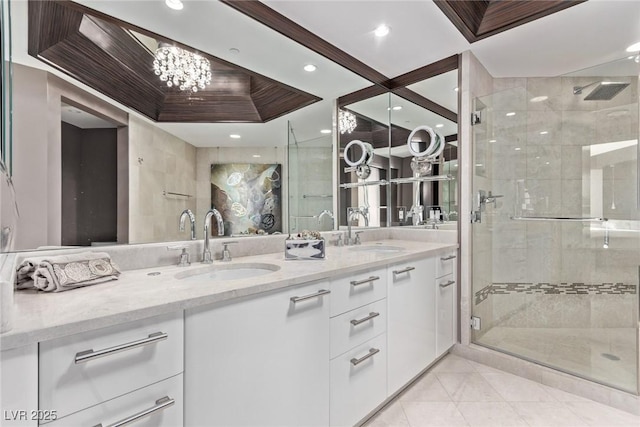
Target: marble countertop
<point>39,316</point>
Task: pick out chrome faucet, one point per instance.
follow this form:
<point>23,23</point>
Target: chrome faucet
<point>351,213</point>
<point>192,219</point>
<point>206,254</point>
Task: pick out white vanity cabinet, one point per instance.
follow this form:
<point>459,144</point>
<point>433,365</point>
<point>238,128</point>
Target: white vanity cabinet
<point>260,361</point>
<point>446,302</point>
<point>411,328</point>
<point>81,372</point>
<point>19,387</point>
<point>358,345</point>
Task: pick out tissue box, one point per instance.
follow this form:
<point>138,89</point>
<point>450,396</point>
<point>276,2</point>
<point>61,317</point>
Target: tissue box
<point>304,249</point>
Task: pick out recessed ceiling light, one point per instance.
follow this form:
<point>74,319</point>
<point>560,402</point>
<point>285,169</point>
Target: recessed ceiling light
<point>174,4</point>
<point>234,136</point>
<point>511,114</point>
<point>234,50</point>
<point>517,148</point>
<point>439,125</point>
<point>634,47</point>
<point>479,165</point>
<point>256,156</point>
<point>325,131</point>
<point>544,132</point>
<point>310,68</point>
<point>382,30</point>
<point>492,140</point>
<point>456,89</point>
<point>397,107</point>
<point>539,98</point>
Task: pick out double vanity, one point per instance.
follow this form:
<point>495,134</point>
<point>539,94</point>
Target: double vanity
<point>255,341</point>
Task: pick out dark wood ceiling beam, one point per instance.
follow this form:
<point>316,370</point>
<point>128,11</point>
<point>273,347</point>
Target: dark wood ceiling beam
<point>439,67</point>
<point>504,15</point>
<point>283,25</point>
<point>479,19</point>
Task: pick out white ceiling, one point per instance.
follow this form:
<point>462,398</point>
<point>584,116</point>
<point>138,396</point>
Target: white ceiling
<point>581,36</point>
<point>585,35</point>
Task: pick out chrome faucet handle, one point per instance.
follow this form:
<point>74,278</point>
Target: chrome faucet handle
<point>357,240</point>
<point>185,259</point>
<point>226,253</point>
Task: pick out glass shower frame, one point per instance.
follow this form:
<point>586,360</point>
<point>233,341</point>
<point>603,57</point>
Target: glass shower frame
<point>553,281</point>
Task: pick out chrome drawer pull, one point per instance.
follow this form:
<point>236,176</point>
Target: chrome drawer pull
<point>161,404</point>
<point>371,315</point>
<point>450,257</point>
<point>363,281</point>
<point>87,355</point>
<point>404,270</point>
<point>446,285</point>
<point>306,297</point>
<point>372,351</point>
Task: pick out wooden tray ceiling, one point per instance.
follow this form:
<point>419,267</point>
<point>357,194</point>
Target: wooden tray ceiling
<point>478,19</point>
<point>102,53</point>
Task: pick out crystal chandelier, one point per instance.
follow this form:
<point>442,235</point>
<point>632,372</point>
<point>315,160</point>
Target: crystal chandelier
<point>177,67</point>
<point>346,121</point>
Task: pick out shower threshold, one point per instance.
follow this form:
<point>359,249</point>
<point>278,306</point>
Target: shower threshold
<point>607,356</point>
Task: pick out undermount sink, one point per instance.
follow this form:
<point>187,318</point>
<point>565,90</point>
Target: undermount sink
<point>228,271</point>
<point>377,248</point>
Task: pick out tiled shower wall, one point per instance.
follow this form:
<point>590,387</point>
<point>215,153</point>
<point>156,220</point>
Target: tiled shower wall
<point>539,160</point>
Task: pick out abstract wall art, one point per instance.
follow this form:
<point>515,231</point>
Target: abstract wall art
<point>248,195</point>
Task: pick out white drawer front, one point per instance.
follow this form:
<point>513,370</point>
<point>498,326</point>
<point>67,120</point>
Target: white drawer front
<point>357,389</point>
<point>446,311</point>
<point>445,263</point>
<point>158,405</point>
<point>357,326</point>
<point>356,290</point>
<point>67,386</point>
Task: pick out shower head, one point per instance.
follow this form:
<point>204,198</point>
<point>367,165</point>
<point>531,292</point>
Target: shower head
<point>605,91</point>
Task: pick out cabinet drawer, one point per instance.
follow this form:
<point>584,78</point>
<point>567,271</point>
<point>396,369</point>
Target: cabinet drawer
<point>356,290</point>
<point>358,382</point>
<point>357,326</point>
<point>135,355</point>
<point>445,263</point>
<point>158,405</point>
<point>446,311</point>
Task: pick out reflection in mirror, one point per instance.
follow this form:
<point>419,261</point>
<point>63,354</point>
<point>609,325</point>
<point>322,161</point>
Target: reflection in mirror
<point>311,181</point>
<point>363,163</point>
<point>421,150</point>
<point>165,168</point>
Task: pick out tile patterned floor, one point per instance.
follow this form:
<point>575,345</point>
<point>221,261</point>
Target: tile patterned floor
<point>459,392</point>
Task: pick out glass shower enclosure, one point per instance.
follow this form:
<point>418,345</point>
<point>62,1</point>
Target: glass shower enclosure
<point>556,242</point>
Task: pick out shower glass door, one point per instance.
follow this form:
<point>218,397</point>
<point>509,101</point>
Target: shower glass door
<point>556,255</point>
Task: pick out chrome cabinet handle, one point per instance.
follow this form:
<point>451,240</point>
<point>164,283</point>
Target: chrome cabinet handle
<point>404,270</point>
<point>363,281</point>
<point>450,257</point>
<point>356,322</point>
<point>372,351</point>
<point>161,404</point>
<point>306,297</point>
<point>87,355</point>
<point>446,285</point>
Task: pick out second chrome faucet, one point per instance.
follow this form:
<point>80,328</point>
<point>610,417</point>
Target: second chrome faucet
<point>206,253</point>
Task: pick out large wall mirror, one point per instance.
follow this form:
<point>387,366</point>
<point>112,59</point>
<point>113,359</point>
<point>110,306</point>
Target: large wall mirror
<point>158,168</point>
<point>392,189</point>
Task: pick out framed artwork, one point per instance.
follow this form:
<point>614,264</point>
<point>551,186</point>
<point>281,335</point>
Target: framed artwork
<point>248,195</point>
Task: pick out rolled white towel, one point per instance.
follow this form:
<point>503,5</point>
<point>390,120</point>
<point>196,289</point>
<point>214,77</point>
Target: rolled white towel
<point>63,272</point>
